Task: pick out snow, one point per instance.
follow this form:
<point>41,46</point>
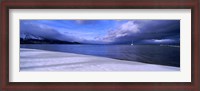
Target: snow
<point>42,60</point>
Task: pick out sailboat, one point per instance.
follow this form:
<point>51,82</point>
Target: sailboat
<point>132,43</point>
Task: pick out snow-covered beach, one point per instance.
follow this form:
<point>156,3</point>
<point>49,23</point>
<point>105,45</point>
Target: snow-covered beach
<point>43,60</point>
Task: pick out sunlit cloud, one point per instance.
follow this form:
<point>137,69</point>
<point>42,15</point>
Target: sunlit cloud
<point>162,40</point>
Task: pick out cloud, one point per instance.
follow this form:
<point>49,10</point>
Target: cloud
<point>118,32</point>
<point>80,21</point>
<point>130,26</point>
<point>86,21</point>
<point>140,30</point>
<point>42,31</point>
<point>123,30</point>
<point>161,41</point>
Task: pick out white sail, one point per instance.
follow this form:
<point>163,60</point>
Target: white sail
<point>132,43</point>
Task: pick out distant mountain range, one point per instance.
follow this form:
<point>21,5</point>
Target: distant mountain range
<point>45,41</point>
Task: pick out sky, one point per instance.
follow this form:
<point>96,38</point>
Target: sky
<point>104,31</point>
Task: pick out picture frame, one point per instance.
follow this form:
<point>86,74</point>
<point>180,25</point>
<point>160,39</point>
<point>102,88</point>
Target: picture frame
<point>102,4</point>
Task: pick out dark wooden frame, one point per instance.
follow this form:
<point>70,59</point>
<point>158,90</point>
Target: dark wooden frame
<point>99,4</point>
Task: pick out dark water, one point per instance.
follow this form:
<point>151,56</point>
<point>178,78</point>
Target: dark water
<point>154,54</point>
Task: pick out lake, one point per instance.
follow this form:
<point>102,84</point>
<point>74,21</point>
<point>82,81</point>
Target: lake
<point>153,54</point>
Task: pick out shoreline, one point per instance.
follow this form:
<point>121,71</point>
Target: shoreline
<point>43,60</point>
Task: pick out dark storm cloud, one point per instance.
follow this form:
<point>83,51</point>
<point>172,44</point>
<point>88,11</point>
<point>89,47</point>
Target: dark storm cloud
<point>86,21</point>
<point>146,31</point>
<point>42,31</point>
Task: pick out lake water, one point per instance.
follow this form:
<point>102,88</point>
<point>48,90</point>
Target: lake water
<point>154,54</point>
